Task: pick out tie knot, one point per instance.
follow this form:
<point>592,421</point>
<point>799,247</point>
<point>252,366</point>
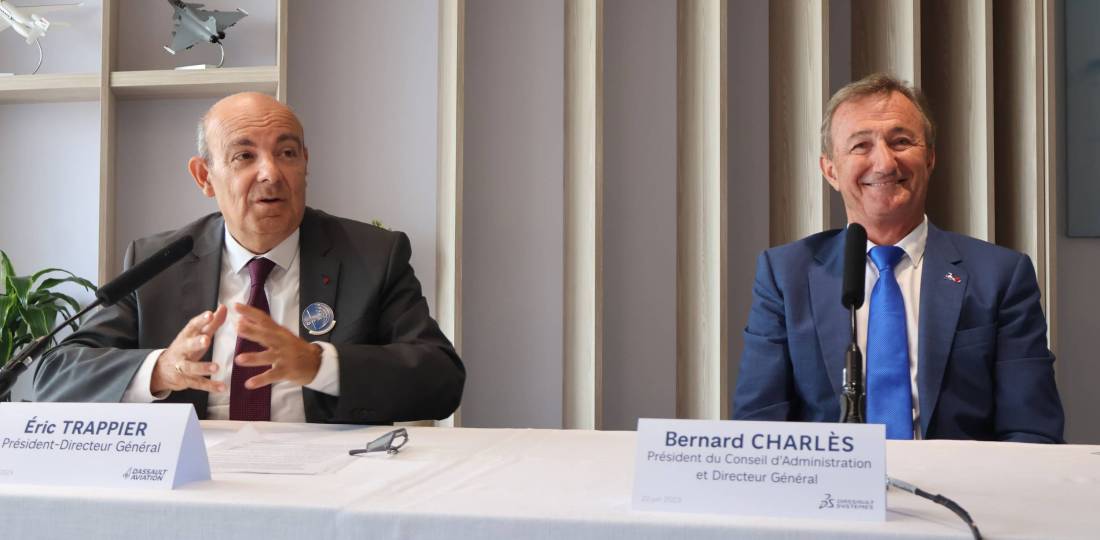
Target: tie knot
<point>258,270</point>
<point>886,257</point>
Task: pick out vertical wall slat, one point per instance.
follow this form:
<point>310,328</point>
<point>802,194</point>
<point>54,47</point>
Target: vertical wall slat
<point>1049,168</point>
<point>956,67</point>
<point>448,284</point>
<point>701,347</point>
<point>108,266</point>
<point>886,38</point>
<point>281,26</point>
<point>582,322</point>
<point>1020,147</point>
<point>798,76</point>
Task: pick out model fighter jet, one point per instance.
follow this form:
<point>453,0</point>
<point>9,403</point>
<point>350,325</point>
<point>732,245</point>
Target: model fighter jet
<point>194,25</point>
<point>28,21</point>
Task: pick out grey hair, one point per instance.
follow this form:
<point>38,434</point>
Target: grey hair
<point>200,140</point>
<point>873,85</point>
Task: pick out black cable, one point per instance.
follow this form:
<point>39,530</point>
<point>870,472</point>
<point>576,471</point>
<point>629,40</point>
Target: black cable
<point>938,499</point>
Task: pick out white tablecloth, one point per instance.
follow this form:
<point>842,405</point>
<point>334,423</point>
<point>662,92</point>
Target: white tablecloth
<point>505,483</point>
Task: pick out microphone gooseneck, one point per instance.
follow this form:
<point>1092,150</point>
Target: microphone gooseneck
<point>853,395</point>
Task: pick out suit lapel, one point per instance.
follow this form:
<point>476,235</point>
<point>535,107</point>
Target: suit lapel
<point>198,291</point>
<point>941,300</point>
<point>319,279</point>
<point>830,317</point>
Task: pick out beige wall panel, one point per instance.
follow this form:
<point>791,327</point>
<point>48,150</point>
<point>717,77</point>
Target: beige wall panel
<point>701,347</point>
<point>886,37</point>
<point>798,75</point>
<point>448,246</point>
<point>1020,141</point>
<point>583,313</point>
<point>956,68</point>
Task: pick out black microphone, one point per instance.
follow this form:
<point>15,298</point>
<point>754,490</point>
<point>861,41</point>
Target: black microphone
<point>853,396</point>
<point>107,295</point>
<point>143,271</point>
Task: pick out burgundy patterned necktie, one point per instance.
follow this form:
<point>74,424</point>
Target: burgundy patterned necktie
<point>245,404</point>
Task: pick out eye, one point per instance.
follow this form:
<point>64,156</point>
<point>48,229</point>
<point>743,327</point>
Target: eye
<point>242,156</point>
<point>861,147</point>
<point>289,152</point>
<point>902,143</point>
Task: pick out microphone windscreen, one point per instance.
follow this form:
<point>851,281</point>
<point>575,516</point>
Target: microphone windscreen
<point>855,266</point>
<point>143,271</point>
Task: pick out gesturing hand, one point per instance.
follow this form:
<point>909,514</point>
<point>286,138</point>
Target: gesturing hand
<point>291,358</point>
<point>180,366</point>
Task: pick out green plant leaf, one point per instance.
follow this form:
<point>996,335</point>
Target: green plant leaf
<point>20,287</point>
<point>36,317</point>
<point>7,310</point>
<point>5,267</point>
<point>41,297</point>
<point>6,346</point>
<point>53,282</point>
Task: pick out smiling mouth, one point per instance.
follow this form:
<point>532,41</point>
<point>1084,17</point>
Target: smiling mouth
<point>884,183</point>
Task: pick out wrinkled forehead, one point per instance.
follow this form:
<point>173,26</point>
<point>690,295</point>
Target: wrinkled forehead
<point>257,120</point>
<point>890,112</point>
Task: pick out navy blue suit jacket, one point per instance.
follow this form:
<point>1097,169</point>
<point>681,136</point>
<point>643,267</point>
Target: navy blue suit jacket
<point>984,370</point>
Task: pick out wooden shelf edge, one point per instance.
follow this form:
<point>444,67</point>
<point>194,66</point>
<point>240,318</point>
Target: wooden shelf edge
<point>49,88</point>
<point>161,84</point>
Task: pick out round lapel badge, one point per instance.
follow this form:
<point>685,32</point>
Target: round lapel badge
<point>318,318</point>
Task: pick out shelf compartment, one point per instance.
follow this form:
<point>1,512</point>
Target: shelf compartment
<point>197,83</point>
<point>49,88</point>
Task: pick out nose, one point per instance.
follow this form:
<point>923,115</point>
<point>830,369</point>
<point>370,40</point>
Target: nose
<point>266,169</point>
<point>883,159</point>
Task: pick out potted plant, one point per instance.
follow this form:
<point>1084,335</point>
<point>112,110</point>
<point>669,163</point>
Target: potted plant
<point>30,305</point>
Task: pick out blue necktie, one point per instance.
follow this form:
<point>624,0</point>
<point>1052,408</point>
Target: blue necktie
<point>889,398</point>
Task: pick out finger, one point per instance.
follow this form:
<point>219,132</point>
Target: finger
<point>216,320</point>
<point>194,326</point>
<point>194,347</point>
<point>204,384</point>
<point>251,313</point>
<point>264,358</point>
<point>264,334</point>
<point>270,376</point>
<point>195,369</point>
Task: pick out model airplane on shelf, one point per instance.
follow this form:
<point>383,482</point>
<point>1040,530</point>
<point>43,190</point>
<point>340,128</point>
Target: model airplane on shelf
<point>28,20</point>
<point>193,25</point>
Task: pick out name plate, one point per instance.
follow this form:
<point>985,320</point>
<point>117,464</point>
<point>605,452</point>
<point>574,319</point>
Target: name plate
<point>101,444</point>
<point>780,469</point>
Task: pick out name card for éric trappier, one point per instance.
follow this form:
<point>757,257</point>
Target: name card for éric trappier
<point>101,445</point>
<point>783,469</point>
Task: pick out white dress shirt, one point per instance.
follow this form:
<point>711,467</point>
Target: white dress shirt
<point>908,274</point>
<point>282,295</point>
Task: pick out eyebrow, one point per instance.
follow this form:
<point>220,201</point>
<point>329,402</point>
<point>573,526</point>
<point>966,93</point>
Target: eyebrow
<point>898,129</point>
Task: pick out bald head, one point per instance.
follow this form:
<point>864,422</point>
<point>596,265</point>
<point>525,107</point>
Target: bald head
<point>233,106</point>
<point>252,160</point>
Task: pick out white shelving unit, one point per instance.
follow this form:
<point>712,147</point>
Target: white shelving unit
<point>113,83</point>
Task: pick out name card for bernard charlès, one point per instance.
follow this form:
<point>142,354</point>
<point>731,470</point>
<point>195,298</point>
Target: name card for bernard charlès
<point>787,469</point>
<point>101,444</point>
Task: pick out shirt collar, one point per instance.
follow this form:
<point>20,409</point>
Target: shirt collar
<point>282,255</point>
<point>913,243</point>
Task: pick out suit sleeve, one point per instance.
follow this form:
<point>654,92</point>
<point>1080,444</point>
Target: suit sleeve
<point>1028,408</point>
<point>765,382</point>
<point>97,362</point>
<point>416,373</point>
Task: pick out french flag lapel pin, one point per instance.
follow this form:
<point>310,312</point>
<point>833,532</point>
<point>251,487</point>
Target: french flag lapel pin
<point>952,277</point>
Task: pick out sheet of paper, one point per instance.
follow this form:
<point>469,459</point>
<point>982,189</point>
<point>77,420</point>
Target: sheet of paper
<point>249,451</point>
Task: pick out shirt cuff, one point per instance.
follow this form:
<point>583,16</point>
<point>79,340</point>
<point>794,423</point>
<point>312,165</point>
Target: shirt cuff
<point>138,391</point>
<point>327,380</point>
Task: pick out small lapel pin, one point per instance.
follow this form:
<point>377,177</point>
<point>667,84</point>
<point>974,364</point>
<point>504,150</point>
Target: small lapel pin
<point>952,277</point>
<point>318,318</point>
<point>325,279</point>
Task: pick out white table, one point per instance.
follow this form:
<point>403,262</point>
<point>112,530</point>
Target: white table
<point>507,483</point>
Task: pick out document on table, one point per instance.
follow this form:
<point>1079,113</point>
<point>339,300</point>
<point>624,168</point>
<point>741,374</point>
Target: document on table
<point>249,451</point>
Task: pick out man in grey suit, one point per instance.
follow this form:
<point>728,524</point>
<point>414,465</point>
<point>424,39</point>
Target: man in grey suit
<point>221,329</point>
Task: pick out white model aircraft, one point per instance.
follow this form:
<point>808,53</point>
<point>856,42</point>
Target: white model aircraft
<point>28,20</point>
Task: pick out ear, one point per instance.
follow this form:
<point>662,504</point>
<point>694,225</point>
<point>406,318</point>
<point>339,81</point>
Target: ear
<point>828,170</point>
<point>201,173</point>
<point>931,161</point>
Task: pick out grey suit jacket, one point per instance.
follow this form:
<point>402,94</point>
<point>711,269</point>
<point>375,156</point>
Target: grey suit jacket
<point>395,363</point>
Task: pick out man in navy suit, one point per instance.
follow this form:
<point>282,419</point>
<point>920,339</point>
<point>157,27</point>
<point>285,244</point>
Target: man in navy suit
<point>969,326</point>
